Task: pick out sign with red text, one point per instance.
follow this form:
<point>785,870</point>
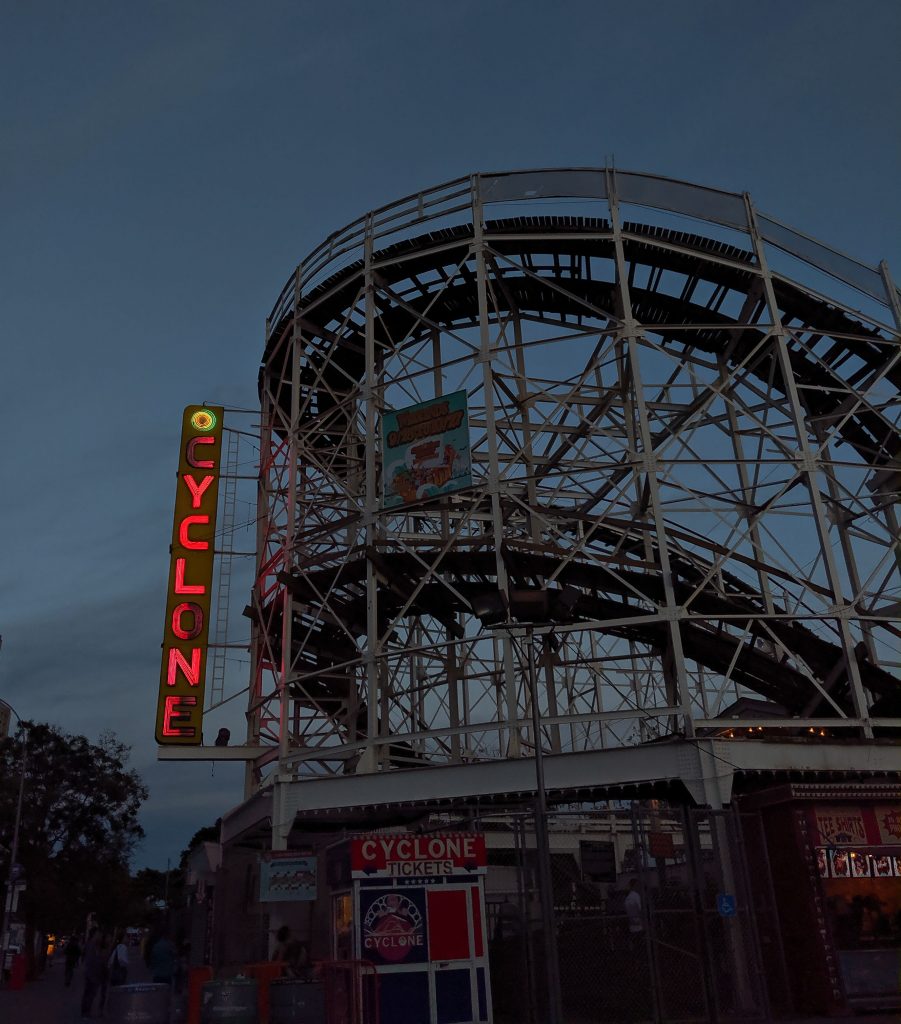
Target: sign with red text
<point>841,826</point>
<point>179,714</point>
<point>406,856</point>
<point>888,821</point>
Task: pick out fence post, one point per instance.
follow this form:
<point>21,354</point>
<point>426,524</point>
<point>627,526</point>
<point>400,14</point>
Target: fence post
<point>650,953</point>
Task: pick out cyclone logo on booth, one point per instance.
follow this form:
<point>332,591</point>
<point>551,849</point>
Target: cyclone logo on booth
<point>393,928</point>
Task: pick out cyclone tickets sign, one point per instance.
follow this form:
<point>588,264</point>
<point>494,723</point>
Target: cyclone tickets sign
<point>180,704</point>
<point>408,856</point>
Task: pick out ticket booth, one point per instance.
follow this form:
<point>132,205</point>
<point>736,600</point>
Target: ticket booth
<point>414,907</point>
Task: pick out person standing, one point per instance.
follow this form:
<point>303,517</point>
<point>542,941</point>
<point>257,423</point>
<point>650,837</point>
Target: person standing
<point>72,956</point>
<point>282,941</point>
<point>633,914</point>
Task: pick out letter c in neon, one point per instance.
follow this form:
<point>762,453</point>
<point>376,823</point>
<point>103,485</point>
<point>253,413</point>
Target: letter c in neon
<point>192,458</point>
<point>185,540</point>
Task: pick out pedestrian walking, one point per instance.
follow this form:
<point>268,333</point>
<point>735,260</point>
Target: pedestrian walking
<point>118,961</point>
<point>95,970</point>
<point>162,959</point>
<point>72,955</point>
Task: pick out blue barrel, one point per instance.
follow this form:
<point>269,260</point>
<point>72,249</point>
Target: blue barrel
<point>138,1004</point>
<point>292,1001</point>
<point>229,1002</point>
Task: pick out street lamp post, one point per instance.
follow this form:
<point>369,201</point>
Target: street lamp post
<point>10,880</point>
<point>543,850</point>
<point>542,841</point>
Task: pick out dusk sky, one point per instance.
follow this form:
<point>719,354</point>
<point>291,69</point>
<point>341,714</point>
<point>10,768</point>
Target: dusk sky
<point>165,166</point>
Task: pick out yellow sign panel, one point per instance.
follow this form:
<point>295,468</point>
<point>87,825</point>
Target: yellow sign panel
<point>179,715</point>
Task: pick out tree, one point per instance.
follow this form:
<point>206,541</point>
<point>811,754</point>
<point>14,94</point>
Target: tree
<point>79,824</point>
<point>207,834</point>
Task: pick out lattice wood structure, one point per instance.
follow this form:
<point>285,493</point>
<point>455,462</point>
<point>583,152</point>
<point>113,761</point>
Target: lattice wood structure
<point>686,457</point>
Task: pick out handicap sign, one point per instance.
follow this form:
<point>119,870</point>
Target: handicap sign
<point>725,904</point>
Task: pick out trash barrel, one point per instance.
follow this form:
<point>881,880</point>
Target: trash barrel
<point>230,1002</point>
<point>292,1001</point>
<point>138,1004</point>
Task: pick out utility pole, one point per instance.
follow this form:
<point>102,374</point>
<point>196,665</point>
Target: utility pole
<point>11,876</point>
<point>543,851</point>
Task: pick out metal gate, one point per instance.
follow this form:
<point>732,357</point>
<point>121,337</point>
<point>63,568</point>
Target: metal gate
<point>672,938</point>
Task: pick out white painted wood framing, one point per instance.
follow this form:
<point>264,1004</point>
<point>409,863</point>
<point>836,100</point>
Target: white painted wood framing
<point>684,426</point>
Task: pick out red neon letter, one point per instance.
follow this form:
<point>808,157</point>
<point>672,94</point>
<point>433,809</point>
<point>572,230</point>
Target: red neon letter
<point>185,540</point>
<point>179,630</point>
<point>185,588</point>
<point>192,458</point>
<point>178,661</point>
<point>197,489</point>
<point>174,712</point>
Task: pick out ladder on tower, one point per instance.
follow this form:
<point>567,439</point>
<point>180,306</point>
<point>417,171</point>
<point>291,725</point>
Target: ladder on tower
<point>225,558</point>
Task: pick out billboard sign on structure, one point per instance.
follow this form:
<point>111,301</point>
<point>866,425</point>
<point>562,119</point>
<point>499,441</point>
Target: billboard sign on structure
<point>425,450</point>
<point>179,715</point>
<point>287,877</point>
<point>400,855</point>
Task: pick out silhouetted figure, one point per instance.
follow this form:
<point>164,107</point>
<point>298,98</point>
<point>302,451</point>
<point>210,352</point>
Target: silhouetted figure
<point>72,956</point>
<point>95,958</point>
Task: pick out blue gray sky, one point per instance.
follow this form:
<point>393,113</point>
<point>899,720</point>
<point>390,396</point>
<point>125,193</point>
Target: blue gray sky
<point>163,167</point>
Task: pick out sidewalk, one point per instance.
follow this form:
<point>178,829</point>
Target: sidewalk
<point>48,1001</point>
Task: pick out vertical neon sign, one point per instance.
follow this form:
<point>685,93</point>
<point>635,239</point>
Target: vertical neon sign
<point>179,715</point>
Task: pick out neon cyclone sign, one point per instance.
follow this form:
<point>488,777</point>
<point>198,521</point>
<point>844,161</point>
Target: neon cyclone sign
<point>179,715</point>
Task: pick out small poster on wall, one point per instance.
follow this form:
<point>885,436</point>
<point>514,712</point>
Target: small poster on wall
<point>822,863</point>
<point>860,865</point>
<point>882,866</point>
<point>425,450</point>
<point>840,865</point>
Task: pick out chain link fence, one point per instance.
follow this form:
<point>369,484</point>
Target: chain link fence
<point>653,916</point>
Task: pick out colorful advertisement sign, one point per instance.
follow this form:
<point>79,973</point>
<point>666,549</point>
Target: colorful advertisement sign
<point>393,926</point>
<point>287,878</point>
<point>406,856</point>
<point>179,714</point>
<point>888,821</point>
<point>849,825</point>
<point>425,450</point>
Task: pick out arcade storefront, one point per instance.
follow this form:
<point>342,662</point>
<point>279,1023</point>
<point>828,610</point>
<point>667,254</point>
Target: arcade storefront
<point>834,855</point>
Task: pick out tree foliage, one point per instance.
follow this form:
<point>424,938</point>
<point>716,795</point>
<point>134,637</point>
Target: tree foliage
<point>79,824</point>
<point>207,834</point>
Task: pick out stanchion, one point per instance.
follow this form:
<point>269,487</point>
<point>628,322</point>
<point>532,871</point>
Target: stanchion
<point>197,978</point>
<point>18,972</point>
